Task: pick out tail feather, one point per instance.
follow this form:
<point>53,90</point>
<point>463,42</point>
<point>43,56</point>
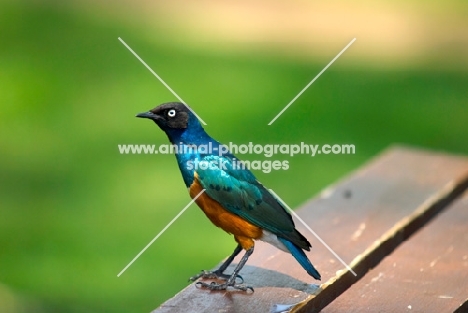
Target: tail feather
<point>300,256</point>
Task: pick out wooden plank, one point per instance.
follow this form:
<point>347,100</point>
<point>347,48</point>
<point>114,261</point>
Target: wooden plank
<point>428,273</point>
<point>349,217</point>
<point>384,245</point>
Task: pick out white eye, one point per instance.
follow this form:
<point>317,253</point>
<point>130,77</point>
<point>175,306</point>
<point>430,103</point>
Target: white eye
<point>171,113</point>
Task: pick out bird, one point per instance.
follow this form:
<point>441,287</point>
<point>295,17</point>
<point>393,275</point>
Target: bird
<point>229,195</point>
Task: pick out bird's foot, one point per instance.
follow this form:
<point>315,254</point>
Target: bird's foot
<point>214,275</point>
<point>215,286</point>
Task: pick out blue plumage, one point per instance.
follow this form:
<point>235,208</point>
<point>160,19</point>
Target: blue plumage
<point>300,256</point>
<point>234,189</point>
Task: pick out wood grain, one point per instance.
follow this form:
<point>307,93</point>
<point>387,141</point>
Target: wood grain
<point>428,273</point>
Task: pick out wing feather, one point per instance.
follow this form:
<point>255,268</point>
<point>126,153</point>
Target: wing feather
<point>238,191</point>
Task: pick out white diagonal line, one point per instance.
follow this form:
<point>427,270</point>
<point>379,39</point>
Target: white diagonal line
<point>312,81</point>
<point>314,233</point>
<point>160,79</point>
<point>160,233</point>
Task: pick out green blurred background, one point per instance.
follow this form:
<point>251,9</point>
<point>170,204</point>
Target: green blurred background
<point>74,211</point>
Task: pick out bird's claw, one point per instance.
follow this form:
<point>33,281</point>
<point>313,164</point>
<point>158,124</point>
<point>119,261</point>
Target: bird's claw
<point>214,275</point>
<point>215,286</point>
<point>210,275</point>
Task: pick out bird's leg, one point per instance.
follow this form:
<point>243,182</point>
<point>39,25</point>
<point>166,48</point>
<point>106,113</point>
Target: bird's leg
<point>218,274</point>
<point>231,282</point>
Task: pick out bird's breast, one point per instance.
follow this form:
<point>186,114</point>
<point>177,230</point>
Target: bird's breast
<point>243,230</point>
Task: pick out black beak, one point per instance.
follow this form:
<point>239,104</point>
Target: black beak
<point>148,114</point>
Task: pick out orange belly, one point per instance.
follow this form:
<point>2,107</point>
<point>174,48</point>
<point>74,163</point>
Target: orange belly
<point>243,231</point>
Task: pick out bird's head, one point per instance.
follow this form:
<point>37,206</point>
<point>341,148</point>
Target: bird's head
<point>174,118</point>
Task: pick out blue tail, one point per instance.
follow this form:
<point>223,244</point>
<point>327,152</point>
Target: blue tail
<point>300,256</point>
